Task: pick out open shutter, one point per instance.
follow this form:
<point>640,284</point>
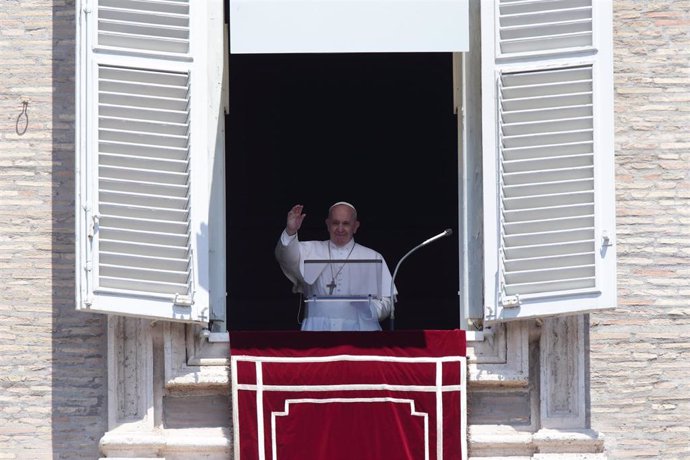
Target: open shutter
<point>548,157</point>
<point>143,193</point>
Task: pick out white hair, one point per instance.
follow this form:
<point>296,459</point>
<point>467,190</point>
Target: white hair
<point>343,203</point>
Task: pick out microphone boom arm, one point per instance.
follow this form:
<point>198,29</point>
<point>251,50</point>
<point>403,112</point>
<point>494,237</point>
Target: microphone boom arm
<point>446,232</point>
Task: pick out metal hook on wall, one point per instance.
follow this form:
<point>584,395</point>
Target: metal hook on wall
<point>21,130</point>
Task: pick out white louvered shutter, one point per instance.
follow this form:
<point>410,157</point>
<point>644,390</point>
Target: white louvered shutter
<point>548,157</point>
<point>142,186</point>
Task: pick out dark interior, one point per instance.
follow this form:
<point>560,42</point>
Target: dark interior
<point>377,130</point>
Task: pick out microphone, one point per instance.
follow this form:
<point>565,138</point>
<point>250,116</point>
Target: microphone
<point>446,232</point>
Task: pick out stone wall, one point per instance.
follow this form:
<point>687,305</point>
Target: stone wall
<point>52,376</point>
<point>640,384</point>
<point>53,368</point>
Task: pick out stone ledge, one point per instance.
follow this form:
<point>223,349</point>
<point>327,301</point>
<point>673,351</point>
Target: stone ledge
<point>504,441</point>
<point>199,377</point>
<point>171,444</point>
<point>570,456</point>
<point>499,441</point>
<point>547,457</point>
<point>519,457</point>
<point>575,441</point>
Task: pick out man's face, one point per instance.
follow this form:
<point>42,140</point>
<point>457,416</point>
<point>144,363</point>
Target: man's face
<point>341,224</point>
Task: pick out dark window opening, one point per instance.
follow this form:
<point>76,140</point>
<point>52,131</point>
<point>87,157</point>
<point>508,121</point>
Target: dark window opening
<point>377,130</point>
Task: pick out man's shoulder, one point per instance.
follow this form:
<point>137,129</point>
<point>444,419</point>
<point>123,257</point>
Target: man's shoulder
<point>314,244</point>
<point>364,250</point>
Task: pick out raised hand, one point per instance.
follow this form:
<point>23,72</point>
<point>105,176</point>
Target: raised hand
<point>294,219</point>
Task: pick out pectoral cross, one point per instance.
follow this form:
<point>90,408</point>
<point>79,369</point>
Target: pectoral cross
<point>331,286</point>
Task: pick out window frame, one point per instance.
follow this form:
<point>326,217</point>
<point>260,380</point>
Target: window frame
<point>477,183</point>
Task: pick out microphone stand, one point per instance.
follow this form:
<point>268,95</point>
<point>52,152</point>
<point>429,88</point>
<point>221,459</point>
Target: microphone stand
<point>446,232</point>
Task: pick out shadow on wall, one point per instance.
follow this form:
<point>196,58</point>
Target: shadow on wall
<point>79,372</point>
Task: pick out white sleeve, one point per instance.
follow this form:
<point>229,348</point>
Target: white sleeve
<point>383,307</point>
<point>289,257</point>
<point>286,239</point>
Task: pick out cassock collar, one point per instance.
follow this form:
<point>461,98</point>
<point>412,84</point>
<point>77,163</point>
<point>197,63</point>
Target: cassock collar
<point>347,247</point>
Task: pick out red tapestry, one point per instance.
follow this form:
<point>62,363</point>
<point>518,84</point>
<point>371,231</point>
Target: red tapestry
<point>348,395</point>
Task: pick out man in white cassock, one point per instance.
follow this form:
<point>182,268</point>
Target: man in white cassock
<point>334,279</point>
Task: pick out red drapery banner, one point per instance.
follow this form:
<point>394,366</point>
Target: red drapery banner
<point>349,395</point>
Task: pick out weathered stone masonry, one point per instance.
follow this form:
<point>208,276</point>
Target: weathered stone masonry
<point>52,373</point>
<point>640,384</point>
<point>53,400</point>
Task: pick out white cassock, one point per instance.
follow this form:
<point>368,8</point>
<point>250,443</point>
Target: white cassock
<point>333,315</point>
